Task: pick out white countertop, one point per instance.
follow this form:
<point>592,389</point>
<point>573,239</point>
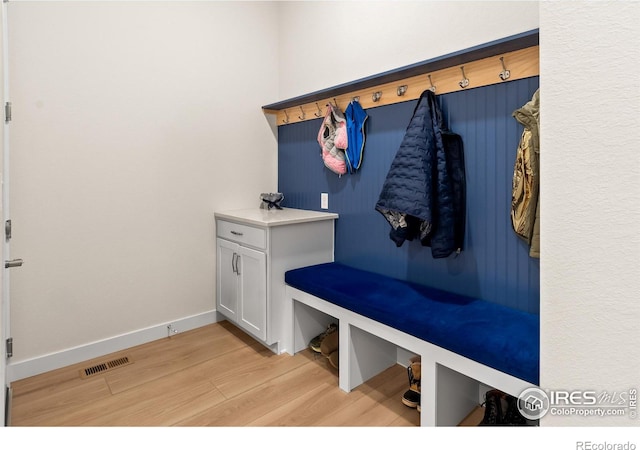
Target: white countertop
<point>274,217</point>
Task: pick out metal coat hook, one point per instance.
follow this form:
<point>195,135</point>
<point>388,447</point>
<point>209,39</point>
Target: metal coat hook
<point>303,114</point>
<point>319,113</point>
<point>432,88</point>
<point>355,99</point>
<point>505,74</point>
<point>465,81</point>
<point>287,117</point>
<point>376,96</point>
<point>335,102</point>
<point>401,90</point>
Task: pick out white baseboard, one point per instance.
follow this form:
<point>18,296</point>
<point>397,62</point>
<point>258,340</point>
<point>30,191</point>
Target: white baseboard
<point>41,364</point>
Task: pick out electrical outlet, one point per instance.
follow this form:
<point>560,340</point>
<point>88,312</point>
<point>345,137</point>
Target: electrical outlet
<point>324,200</point>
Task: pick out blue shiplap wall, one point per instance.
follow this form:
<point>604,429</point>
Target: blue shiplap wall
<point>495,264</point>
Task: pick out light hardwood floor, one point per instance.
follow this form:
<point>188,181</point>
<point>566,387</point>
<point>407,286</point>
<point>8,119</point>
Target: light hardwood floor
<point>212,376</point>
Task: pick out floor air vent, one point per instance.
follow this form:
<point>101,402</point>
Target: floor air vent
<point>104,367</point>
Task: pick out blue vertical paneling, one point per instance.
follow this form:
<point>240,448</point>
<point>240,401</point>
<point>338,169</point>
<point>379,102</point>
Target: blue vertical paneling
<point>495,265</point>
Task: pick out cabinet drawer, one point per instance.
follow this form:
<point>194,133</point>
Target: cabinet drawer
<point>243,234</point>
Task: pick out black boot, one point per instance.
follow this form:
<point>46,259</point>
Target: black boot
<point>492,408</point>
<point>513,416</point>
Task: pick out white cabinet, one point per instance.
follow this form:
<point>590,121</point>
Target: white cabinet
<point>255,247</point>
<point>242,275</point>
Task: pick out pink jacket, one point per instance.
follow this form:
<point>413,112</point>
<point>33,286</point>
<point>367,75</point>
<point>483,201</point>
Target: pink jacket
<point>332,138</point>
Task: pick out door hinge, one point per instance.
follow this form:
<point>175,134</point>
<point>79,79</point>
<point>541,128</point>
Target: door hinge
<point>9,347</point>
<point>7,229</point>
<point>7,112</point>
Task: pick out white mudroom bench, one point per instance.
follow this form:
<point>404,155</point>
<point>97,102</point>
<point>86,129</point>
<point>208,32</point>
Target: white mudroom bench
<point>466,345</point>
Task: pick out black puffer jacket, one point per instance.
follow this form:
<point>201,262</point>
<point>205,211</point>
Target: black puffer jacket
<point>423,195</point>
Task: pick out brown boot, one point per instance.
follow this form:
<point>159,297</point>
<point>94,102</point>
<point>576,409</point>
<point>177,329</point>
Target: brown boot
<point>411,397</point>
<point>334,359</point>
<point>329,344</point>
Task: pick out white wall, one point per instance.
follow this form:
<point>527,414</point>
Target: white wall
<point>324,44</point>
<point>590,141</point>
<point>133,123</point>
<point>590,288</point>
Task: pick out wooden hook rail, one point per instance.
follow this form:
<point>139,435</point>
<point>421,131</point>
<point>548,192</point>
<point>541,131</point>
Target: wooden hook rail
<point>515,65</point>
<point>510,58</point>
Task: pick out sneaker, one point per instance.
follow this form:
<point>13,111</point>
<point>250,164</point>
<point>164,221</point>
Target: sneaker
<point>317,341</point>
<point>330,343</point>
<point>411,397</point>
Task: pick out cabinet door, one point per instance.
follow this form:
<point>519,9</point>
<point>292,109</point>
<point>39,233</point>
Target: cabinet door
<point>252,307</point>
<point>227,278</point>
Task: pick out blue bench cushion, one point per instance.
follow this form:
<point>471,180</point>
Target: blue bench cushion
<point>491,334</point>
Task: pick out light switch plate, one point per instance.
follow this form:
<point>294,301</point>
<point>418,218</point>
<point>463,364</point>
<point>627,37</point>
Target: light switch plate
<point>324,200</point>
